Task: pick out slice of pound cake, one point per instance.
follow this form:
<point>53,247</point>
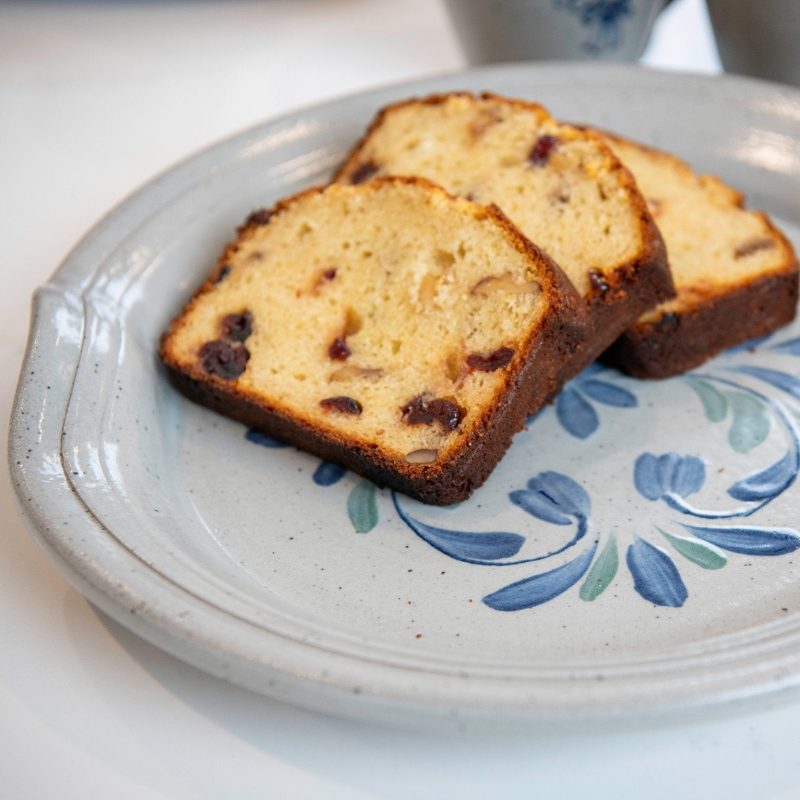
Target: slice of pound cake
<point>736,275</point>
<point>561,186</point>
<point>390,327</point>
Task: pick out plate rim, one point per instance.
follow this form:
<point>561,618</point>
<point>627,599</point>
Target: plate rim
<point>207,643</point>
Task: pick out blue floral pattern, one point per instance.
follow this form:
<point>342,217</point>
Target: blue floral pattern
<point>669,479</point>
<point>574,408</point>
<point>601,18</point>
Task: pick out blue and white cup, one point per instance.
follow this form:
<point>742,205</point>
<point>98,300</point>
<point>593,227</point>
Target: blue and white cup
<point>517,30</point>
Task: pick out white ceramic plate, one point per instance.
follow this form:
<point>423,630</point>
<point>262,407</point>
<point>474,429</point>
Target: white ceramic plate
<point>648,531</point>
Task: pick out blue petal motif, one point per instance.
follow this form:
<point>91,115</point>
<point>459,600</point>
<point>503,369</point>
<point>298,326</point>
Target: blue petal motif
<point>749,541</point>
<point>326,474</point>
<point>553,497</point>
<point>540,506</point>
<point>688,475</point>
<point>782,380</point>
<point>768,482</point>
<point>575,414</point>
<point>655,576</point>
<point>256,437</point>
<point>646,477</point>
<point>488,548</point>
<point>609,394</point>
<point>467,546</point>
<point>659,476</point>
<point>534,591</point>
<point>791,346</point>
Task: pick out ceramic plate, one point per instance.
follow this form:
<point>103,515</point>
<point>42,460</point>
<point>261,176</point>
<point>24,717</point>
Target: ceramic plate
<point>635,552</point>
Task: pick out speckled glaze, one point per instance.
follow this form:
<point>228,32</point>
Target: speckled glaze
<point>295,579</point>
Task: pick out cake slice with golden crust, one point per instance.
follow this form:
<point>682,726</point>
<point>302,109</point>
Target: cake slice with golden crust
<point>390,327</point>
<point>560,185</point>
<point>735,273</point>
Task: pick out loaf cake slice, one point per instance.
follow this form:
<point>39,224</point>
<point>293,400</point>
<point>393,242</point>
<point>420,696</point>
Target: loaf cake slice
<point>735,273</point>
<point>561,186</point>
<point>389,327</point>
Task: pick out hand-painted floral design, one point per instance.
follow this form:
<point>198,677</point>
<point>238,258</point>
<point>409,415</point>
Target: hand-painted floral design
<point>574,408</point>
<point>669,477</point>
<point>602,20</point>
<point>670,480</point>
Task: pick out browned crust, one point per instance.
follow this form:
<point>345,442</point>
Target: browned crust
<point>708,322</point>
<point>627,289</point>
<point>632,289</point>
<point>531,379</point>
<point>679,341</point>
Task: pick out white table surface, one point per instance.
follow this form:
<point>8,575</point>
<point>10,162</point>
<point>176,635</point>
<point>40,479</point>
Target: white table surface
<point>94,99</point>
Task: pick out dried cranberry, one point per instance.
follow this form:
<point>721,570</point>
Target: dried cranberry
<point>260,217</point>
<point>598,281</point>
<point>219,358</point>
<point>343,404</point>
<point>339,351</point>
<point>363,172</point>
<point>238,326</point>
<point>422,411</point>
<point>494,361</point>
<point>541,150</point>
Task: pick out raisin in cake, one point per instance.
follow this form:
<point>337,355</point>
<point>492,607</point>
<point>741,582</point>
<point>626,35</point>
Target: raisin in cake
<point>736,275</point>
<point>390,327</point>
<point>560,185</point>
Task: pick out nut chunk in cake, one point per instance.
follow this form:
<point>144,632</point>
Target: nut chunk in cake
<point>388,326</point>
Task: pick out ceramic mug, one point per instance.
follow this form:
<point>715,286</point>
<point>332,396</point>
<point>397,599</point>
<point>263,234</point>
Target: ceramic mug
<point>512,30</point>
<point>758,37</point>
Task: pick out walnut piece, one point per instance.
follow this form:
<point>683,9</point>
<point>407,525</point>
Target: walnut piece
<point>422,456</point>
<point>503,283</point>
<point>427,289</point>
<point>753,246</point>
<point>351,371</point>
<point>483,120</point>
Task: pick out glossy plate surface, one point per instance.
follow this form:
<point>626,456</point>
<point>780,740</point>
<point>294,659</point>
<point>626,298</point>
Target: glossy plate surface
<point>635,552</point>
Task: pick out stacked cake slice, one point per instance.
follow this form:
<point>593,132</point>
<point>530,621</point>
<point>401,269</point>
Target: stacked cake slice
<point>734,271</point>
<point>472,254</point>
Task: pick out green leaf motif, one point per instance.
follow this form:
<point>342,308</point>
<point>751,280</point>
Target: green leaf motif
<point>715,404</point>
<point>362,508</point>
<point>602,572</point>
<point>704,555</point>
<point>750,424</point>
